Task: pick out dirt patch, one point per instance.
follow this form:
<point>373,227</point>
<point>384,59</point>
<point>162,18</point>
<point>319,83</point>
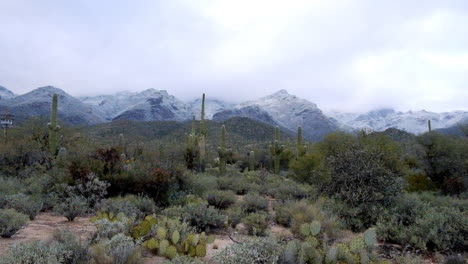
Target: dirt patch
<point>44,226</point>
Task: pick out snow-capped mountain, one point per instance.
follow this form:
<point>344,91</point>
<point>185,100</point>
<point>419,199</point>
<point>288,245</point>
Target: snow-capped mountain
<point>252,111</point>
<point>156,105</point>
<point>291,111</point>
<point>38,103</point>
<point>411,121</point>
<point>5,94</point>
<point>212,106</point>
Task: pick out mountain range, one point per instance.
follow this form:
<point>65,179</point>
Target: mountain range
<point>279,109</point>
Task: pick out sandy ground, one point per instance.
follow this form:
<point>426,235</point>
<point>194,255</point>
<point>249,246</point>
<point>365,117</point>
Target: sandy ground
<point>43,227</point>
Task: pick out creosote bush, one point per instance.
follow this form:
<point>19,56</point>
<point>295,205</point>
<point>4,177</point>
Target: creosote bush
<point>257,251</point>
<point>11,221</point>
<point>221,199</point>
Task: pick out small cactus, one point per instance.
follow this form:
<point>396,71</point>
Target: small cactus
<point>370,237</point>
<point>175,237</point>
<point>201,250</point>
<point>332,254</point>
<point>163,245</point>
<point>315,227</point>
<point>171,252</point>
<point>161,233</point>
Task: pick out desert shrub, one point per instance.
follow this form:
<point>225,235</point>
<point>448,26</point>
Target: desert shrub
<point>307,169</point>
<point>130,205</point>
<point>419,224</point>
<point>445,159</point>
<point>93,189</point>
<point>199,215</point>
<point>78,251</point>
<point>409,259</point>
<point>257,251</point>
<point>454,259</point>
<point>120,249</point>
<point>291,190</point>
<point>366,180</point>
<point>418,181</point>
<point>295,214</point>
<point>25,204</point>
<point>234,215</point>
<point>198,183</point>
<point>437,200</point>
<point>107,228</point>
<point>253,203</point>
<point>184,260</point>
<point>11,221</point>
<point>237,184</point>
<point>256,224</point>
<point>37,252</point>
<point>221,199</point>
<point>71,207</point>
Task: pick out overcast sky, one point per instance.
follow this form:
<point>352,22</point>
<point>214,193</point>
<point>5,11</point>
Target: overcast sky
<point>351,55</point>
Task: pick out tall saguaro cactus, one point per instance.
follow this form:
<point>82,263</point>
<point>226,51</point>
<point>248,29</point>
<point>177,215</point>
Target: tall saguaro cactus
<point>202,138</point>
<point>53,126</point>
<point>276,150</point>
<point>222,151</point>
<point>429,125</point>
<point>252,161</point>
<point>301,148</point>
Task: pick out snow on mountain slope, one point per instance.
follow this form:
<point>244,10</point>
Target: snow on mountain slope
<point>38,103</point>
<point>291,111</point>
<point>411,121</point>
<point>212,106</point>
<point>154,105</point>
<point>6,94</point>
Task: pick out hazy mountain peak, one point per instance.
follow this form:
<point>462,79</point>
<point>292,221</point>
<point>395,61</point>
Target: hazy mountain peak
<point>5,93</point>
<point>281,92</point>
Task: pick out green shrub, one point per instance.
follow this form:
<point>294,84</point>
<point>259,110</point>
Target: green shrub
<point>11,221</point>
<point>71,207</point>
<point>198,215</point>
<point>419,224</point>
<point>120,249</point>
<point>365,201</point>
<point>37,252</point>
<point>257,251</point>
<point>130,205</point>
<point>184,260</point>
<point>295,214</point>
<point>221,199</point>
<point>307,169</point>
<point>107,228</point>
<point>78,251</point>
<point>25,204</point>
<point>253,203</point>
<point>256,224</point>
<point>234,215</point>
<point>237,184</point>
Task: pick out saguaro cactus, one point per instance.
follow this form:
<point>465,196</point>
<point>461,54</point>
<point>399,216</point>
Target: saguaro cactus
<point>252,161</point>
<point>53,126</point>
<point>301,148</point>
<point>276,150</point>
<point>202,138</point>
<point>429,125</point>
<point>222,152</point>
